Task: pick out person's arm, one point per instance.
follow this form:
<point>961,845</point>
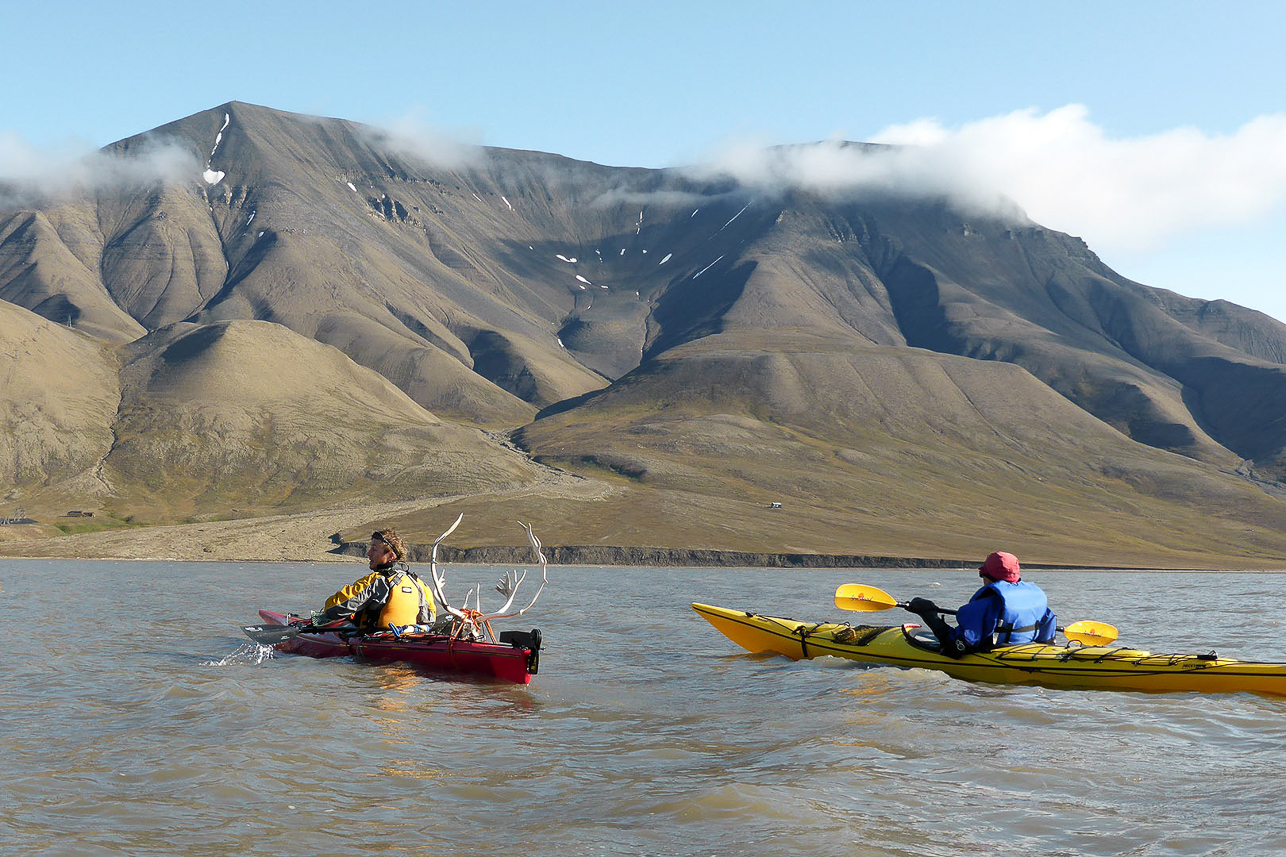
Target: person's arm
<point>932,618</point>
<point>1047,628</point>
<point>976,622</point>
<point>347,601</point>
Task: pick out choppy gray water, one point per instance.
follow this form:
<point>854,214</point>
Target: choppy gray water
<point>137,720</point>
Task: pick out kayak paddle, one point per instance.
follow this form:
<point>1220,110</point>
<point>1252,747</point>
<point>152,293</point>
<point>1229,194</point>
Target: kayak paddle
<point>270,635</point>
<point>868,599</point>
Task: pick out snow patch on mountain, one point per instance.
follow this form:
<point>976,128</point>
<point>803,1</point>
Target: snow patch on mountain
<point>212,176</point>
<point>711,265</point>
<point>734,217</point>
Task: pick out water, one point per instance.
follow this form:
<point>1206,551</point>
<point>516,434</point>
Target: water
<point>135,719</point>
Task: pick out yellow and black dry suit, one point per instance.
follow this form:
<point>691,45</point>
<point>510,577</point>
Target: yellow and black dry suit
<point>390,593</point>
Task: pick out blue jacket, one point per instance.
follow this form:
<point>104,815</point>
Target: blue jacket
<point>1003,614</point>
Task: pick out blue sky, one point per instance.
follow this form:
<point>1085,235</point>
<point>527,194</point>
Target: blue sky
<point>1154,130</point>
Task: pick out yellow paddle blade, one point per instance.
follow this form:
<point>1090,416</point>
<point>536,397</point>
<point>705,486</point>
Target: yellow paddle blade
<point>1091,633</point>
<point>866,599</point>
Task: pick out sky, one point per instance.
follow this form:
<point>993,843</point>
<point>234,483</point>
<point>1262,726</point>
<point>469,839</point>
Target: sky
<point>1156,131</point>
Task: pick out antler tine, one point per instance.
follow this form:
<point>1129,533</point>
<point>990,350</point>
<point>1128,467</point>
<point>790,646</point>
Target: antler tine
<point>450,530</point>
<point>508,585</point>
<point>544,577</point>
<point>535,542</point>
<point>438,579</point>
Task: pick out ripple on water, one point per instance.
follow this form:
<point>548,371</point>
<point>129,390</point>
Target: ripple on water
<point>646,731</point>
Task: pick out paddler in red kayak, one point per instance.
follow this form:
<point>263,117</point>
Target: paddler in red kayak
<point>1005,611</point>
<point>391,593</point>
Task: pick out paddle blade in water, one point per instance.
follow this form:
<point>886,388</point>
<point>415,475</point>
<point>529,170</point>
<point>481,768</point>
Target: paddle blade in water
<point>270,635</point>
<point>864,599</point>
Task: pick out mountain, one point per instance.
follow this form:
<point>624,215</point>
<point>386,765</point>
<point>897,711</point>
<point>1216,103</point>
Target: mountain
<point>895,372</point>
<point>241,417</point>
<point>59,392</point>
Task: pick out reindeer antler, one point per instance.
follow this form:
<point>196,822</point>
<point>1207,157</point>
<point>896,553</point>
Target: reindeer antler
<point>508,585</point>
<point>438,579</point>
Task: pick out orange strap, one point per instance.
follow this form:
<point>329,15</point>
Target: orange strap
<point>475,619</point>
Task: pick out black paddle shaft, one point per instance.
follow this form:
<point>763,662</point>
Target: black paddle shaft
<point>906,605</point>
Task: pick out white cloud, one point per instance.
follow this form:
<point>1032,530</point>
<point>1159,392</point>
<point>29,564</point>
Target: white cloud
<point>1131,193</point>
<point>413,135</point>
<point>1120,194</point>
<point>31,175</point>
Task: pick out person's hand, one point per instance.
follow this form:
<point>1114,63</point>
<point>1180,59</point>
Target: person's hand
<point>922,607</point>
<point>318,618</point>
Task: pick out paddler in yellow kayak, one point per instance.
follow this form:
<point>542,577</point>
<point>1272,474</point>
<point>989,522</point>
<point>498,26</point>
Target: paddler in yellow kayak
<point>391,593</point>
<point>1005,611</point>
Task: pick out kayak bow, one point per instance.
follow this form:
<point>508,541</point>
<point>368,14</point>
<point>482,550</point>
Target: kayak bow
<point>1072,667</point>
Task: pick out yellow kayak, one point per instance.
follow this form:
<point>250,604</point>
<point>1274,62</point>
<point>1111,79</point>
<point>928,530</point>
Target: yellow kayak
<point>1079,667</point>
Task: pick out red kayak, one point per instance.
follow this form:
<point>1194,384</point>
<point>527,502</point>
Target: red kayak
<point>516,657</point>
<point>471,646</point>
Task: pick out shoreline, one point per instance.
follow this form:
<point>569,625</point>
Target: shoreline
<point>300,539</point>
<point>594,556</point>
<point>599,556</point>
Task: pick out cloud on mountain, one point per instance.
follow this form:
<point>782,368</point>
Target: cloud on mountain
<point>413,135</point>
<point>31,175</point>
<point>1063,170</point>
<point>1129,193</point>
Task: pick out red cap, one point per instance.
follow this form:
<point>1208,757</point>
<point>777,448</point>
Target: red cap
<point>1001,566</point>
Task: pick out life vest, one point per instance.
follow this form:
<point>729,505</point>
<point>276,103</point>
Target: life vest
<point>390,593</point>
<point>1025,606</point>
<point>409,601</point>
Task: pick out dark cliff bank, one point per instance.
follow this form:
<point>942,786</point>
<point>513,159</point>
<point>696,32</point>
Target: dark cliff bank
<point>599,555</point>
<point>639,556</point>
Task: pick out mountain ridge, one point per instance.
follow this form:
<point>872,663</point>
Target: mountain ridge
<point>572,304</point>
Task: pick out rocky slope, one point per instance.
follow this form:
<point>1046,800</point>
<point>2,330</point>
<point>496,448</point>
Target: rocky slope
<point>319,299</point>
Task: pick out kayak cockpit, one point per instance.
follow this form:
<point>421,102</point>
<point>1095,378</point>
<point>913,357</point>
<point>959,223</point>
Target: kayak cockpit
<point>921,638</point>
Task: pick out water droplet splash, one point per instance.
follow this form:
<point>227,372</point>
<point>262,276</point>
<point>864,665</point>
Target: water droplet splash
<point>249,653</point>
